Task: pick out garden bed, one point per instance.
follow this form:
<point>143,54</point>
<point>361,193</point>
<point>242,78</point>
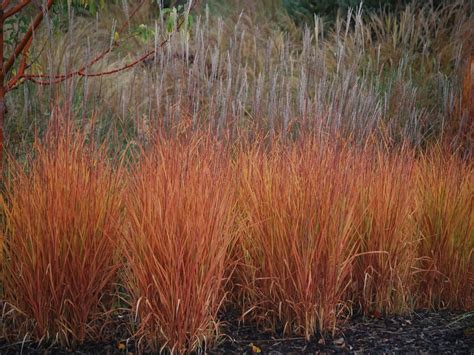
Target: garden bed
<point>423,332</point>
<point>420,332</point>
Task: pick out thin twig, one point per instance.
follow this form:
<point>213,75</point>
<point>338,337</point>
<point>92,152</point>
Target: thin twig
<point>42,79</point>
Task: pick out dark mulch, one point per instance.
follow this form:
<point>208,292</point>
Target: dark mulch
<point>421,332</point>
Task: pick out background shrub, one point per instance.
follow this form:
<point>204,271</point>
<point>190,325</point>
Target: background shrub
<point>303,10</point>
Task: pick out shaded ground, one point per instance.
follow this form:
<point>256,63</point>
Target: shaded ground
<point>421,332</point>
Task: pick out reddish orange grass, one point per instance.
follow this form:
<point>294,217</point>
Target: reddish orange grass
<point>62,217</point>
<point>383,269</point>
<point>299,235</point>
<point>323,227</point>
<point>445,225</point>
<point>179,210</point>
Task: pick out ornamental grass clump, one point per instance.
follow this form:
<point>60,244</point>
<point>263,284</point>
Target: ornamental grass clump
<point>445,226</point>
<point>383,268</point>
<point>179,210</point>
<point>298,235</point>
<point>62,227</point>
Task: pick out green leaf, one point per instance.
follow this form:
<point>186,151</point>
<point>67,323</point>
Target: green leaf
<point>92,7</point>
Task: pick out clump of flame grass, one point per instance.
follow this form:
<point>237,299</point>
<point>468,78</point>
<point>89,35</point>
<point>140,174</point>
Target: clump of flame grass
<point>62,216</point>
<point>299,237</point>
<point>179,210</point>
<point>383,269</point>
<point>445,226</point>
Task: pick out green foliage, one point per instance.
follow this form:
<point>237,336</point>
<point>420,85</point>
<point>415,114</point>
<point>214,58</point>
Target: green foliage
<point>167,4</point>
<point>144,32</point>
<point>171,16</point>
<point>91,5</point>
<point>85,7</point>
<point>62,10</point>
<point>304,10</point>
<point>14,28</point>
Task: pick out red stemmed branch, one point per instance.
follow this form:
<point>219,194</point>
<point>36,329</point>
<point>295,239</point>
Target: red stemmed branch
<point>15,9</point>
<point>26,40</point>
<point>43,79</point>
<point>21,68</point>
<point>60,78</point>
<point>21,51</point>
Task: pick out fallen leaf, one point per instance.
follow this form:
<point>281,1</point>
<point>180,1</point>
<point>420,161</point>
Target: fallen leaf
<point>255,349</point>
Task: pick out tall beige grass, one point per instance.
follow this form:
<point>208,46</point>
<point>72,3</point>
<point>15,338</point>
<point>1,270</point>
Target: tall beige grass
<point>398,77</point>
